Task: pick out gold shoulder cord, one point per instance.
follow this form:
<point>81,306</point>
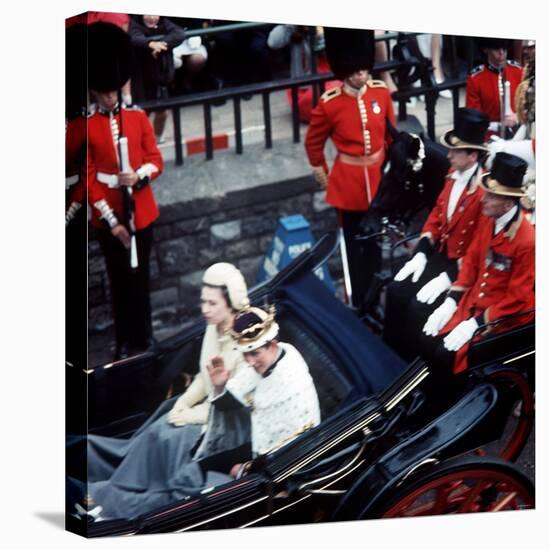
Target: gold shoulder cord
<point>330,94</point>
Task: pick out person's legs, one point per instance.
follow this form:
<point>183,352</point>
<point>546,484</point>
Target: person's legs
<point>118,269</point>
<point>194,63</point>
<point>436,58</point>
<point>159,123</point>
<point>364,258</point>
<point>381,56</point>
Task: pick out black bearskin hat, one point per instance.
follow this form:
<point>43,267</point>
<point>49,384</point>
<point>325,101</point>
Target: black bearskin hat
<point>493,43</point>
<point>109,58</point>
<point>76,53</point>
<point>349,50</point>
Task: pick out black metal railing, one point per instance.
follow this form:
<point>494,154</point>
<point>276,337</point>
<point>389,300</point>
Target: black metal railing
<point>410,67</point>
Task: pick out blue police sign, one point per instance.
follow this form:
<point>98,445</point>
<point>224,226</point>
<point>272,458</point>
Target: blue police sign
<point>292,237</point>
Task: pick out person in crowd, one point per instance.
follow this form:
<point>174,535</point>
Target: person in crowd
<point>430,46</point>
<point>239,56</point>
<point>76,219</point>
<point>382,56</point>
<point>486,89</point>
<point>496,278</point>
<point>190,58</point>
<point>154,39</point>
<point>523,143</point>
<point>155,465</point>
<point>296,38</point>
<point>355,117</point>
<point>119,177</point>
<point>445,238</point>
<point>75,121</point>
<point>277,388</point>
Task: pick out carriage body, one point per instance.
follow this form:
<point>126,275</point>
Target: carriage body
<point>384,424</point>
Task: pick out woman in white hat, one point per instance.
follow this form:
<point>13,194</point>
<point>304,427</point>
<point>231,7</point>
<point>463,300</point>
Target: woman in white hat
<point>128,477</point>
<point>223,293</point>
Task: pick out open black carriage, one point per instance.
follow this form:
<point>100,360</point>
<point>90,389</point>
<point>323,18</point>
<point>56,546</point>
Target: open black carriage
<point>394,439</point>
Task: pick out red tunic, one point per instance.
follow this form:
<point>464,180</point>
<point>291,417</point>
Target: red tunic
<point>482,89</point>
<point>454,236</point>
<point>121,20</point>
<point>75,155</point>
<point>103,158</point>
<point>337,115</point>
<point>497,276</point>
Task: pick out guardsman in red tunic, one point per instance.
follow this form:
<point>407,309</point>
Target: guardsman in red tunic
<point>75,157</point>
<point>496,278</point>
<point>486,84</point>
<point>109,201</point>
<point>76,218</point>
<point>354,116</point>
<point>75,124</point>
<point>445,238</point>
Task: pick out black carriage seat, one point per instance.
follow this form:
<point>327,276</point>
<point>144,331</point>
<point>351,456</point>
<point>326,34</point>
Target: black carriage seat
<point>502,346</point>
<point>331,386</point>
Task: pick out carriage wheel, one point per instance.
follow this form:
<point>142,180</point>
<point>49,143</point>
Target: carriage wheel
<point>459,486</point>
<point>521,416</point>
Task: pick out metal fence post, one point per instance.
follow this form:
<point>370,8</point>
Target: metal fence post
<point>238,125</point>
<point>295,114</point>
<point>208,130</point>
<point>267,120</point>
<point>176,114</point>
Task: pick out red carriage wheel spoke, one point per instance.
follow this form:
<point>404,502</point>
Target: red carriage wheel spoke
<point>490,488</point>
<point>474,493</point>
<point>504,503</point>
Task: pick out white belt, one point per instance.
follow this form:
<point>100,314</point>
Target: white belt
<point>111,180</point>
<point>71,180</point>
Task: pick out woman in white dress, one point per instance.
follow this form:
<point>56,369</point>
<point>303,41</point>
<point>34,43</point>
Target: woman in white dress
<point>128,477</point>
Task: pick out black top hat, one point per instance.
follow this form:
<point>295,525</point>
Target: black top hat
<point>506,176</point>
<point>493,43</point>
<point>469,132</point>
<point>76,51</point>
<point>349,50</point>
<point>109,57</point>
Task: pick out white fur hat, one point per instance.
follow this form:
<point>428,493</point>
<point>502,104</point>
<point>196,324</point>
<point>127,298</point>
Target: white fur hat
<point>227,275</point>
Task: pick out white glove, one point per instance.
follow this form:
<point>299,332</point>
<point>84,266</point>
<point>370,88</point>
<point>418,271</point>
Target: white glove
<point>461,334</point>
<point>194,415</point>
<point>440,317</point>
<point>430,291</point>
<point>180,406</point>
<point>413,267</point>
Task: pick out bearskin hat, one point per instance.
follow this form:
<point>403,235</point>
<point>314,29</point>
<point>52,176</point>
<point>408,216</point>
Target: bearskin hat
<point>76,52</point>
<point>349,50</point>
<point>493,43</point>
<point>109,57</point>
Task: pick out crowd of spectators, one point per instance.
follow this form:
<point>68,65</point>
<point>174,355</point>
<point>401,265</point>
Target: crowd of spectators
<point>171,63</point>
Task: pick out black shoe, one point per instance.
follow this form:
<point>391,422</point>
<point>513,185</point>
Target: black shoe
<point>122,351</point>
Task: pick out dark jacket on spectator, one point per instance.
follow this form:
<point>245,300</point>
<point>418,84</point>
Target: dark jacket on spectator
<point>153,73</point>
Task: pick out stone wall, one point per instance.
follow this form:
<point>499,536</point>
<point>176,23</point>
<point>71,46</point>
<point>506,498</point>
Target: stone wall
<point>189,236</point>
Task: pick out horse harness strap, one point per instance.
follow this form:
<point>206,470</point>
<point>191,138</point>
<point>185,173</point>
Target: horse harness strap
<point>366,160</point>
